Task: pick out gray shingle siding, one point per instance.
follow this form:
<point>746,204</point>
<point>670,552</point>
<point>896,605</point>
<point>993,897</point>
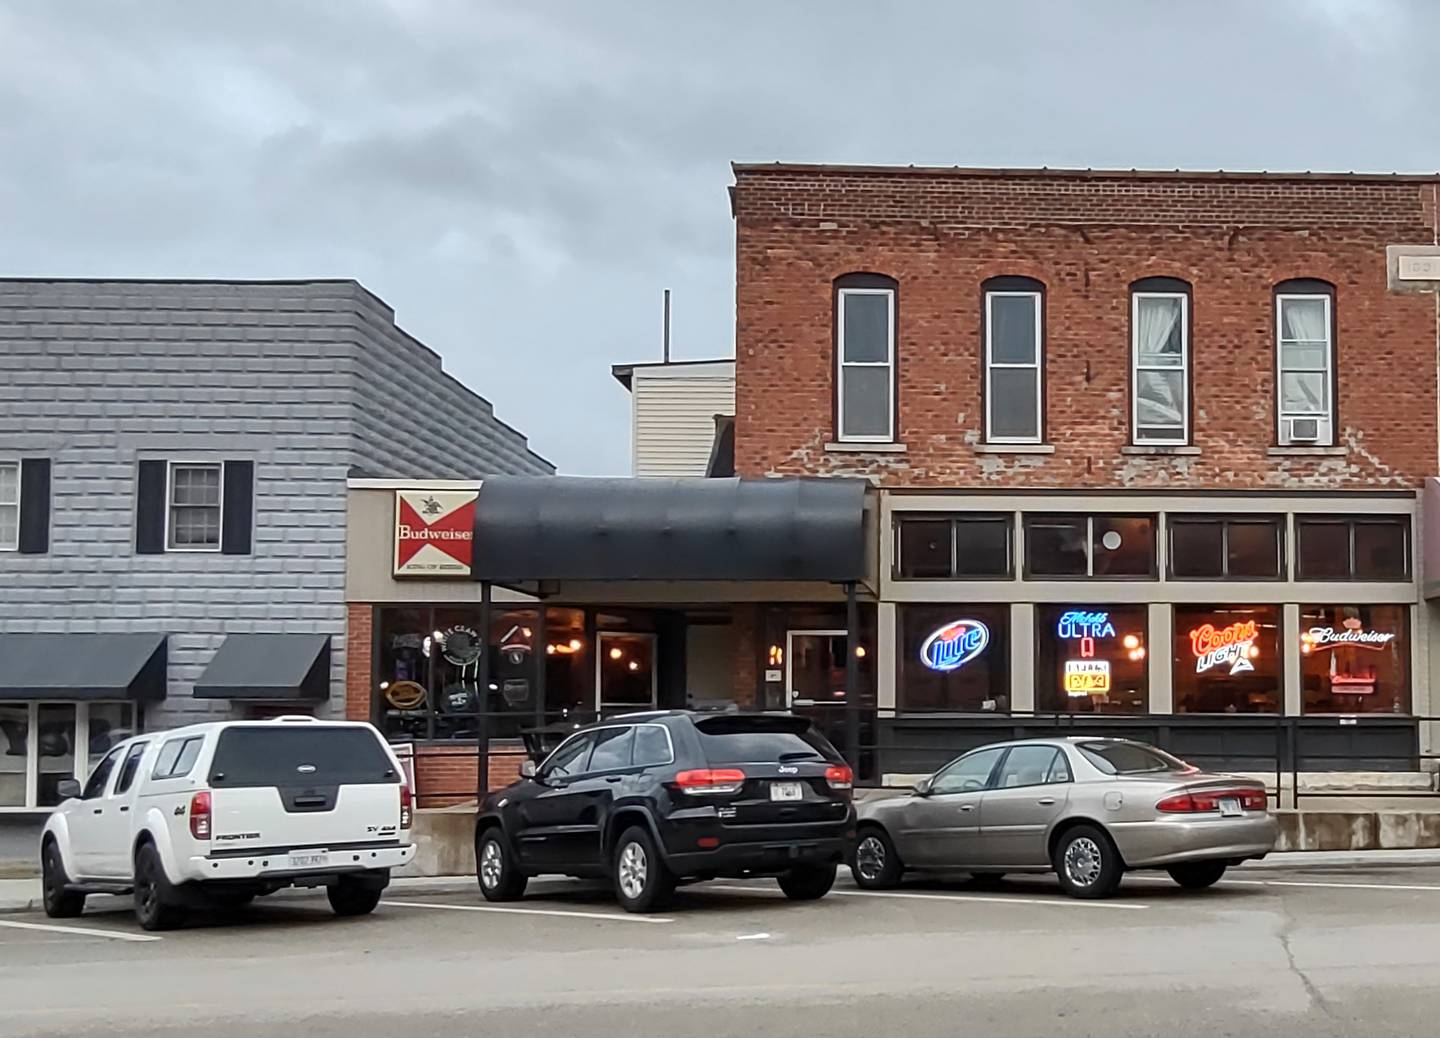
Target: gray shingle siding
<point>298,377</point>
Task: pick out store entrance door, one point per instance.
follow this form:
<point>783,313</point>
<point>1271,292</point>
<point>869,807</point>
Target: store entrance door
<point>815,688</point>
<point>625,677</point>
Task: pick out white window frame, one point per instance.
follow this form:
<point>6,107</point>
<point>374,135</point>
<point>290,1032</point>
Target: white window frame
<point>1136,368</point>
<point>19,491</point>
<point>1037,366</point>
<point>191,463</point>
<point>80,756</point>
<point>1326,417</point>
<point>841,364</point>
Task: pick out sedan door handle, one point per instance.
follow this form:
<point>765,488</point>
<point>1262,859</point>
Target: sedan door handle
<point>967,807</point>
<point>1046,801</point>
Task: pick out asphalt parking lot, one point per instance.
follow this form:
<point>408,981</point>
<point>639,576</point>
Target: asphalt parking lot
<point>1314,952</point>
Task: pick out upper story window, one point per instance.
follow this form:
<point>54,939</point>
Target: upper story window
<point>1305,361</point>
<point>1014,360</point>
<point>9,505</point>
<point>1160,351</point>
<point>865,358</point>
<point>194,505</point>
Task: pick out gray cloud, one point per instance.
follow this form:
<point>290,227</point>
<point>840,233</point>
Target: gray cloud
<point>521,179</point>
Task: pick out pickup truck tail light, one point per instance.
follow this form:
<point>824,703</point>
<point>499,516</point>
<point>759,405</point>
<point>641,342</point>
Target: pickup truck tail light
<point>710,780</point>
<point>1207,801</point>
<point>405,806</point>
<point>840,777</point>
<point>200,815</point>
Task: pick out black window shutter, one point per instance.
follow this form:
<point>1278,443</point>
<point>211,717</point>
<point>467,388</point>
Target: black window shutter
<point>150,509</point>
<point>34,506</point>
<point>235,525</point>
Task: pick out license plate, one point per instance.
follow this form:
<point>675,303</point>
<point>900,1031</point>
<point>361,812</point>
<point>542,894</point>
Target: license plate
<point>308,859</point>
<point>1230,807</point>
<point>787,791</point>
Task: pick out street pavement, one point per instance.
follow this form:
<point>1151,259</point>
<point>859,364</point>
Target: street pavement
<point>1312,952</point>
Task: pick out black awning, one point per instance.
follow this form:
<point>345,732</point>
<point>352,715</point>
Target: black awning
<point>530,528</point>
<point>73,667</point>
<point>270,667</point>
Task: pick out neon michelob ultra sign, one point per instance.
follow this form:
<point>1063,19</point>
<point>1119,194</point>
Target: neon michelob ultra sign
<point>1078,623</point>
<point>954,645</point>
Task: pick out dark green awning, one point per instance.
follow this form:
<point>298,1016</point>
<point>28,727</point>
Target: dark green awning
<point>72,667</point>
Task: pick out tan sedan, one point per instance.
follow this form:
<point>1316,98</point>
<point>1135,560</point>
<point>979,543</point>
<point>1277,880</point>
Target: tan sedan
<point>1086,809</point>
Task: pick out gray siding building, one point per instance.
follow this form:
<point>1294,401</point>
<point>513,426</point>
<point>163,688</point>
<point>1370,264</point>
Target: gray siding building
<point>173,467</point>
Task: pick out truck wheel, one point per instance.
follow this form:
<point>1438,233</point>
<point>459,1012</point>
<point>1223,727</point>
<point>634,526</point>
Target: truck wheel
<point>60,903</point>
<point>807,882</point>
<point>500,877</point>
<point>354,895</point>
<point>155,901</point>
<point>643,882</point>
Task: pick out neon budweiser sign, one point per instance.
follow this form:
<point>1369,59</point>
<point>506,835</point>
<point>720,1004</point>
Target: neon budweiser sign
<point>1232,646</point>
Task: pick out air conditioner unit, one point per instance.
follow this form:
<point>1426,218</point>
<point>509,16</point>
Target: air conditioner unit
<point>1302,430</point>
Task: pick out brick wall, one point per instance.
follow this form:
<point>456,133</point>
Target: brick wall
<point>359,654</point>
<point>445,775</point>
<point>1087,238</point>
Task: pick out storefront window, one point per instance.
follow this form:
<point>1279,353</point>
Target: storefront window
<point>56,725</point>
<point>1092,659</point>
<point>1355,659</point>
<point>954,658</point>
<point>69,739</point>
<point>1227,660</point>
<point>569,664</point>
<point>14,754</point>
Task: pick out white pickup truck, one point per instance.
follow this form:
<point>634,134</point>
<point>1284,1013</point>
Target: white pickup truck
<point>217,814</point>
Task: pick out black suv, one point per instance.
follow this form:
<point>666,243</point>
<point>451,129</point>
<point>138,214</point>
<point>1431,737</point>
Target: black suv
<point>650,800</point>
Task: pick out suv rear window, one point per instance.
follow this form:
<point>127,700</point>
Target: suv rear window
<point>300,755</point>
<point>1128,758</point>
<point>762,740</point>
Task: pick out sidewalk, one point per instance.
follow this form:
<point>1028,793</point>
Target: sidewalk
<point>23,895</point>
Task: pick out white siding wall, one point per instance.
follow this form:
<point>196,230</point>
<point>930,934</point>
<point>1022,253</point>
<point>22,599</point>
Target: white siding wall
<point>674,418</point>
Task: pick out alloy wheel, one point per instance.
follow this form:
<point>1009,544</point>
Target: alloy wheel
<point>1083,861</point>
<point>492,864</point>
<point>870,857</point>
<point>634,869</point>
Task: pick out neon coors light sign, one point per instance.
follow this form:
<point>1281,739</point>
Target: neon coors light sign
<point>1232,646</point>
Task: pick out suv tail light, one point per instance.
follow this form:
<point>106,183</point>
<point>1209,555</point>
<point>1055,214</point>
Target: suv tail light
<point>200,815</point>
<point>1207,801</point>
<point>840,777</point>
<point>711,780</point>
<point>406,814</point>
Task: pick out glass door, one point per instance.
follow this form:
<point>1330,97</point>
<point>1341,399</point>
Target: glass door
<point>815,668</point>
<point>625,678</point>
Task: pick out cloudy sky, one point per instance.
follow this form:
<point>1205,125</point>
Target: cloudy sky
<point>521,179</point>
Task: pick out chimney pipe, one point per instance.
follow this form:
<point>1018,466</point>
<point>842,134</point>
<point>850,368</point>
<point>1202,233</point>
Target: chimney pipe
<point>667,327</point>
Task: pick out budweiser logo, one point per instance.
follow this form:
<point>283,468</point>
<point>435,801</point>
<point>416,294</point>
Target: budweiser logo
<point>434,533</point>
<point>1328,637</point>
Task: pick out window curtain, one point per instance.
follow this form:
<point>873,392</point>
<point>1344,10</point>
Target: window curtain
<point>1160,394</point>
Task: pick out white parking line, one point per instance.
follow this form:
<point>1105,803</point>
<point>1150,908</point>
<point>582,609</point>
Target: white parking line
<point>998,899</point>
<point>752,937</point>
<point>81,931</point>
<point>613,917</point>
<point>1293,883</point>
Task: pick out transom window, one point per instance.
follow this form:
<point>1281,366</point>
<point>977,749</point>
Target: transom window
<point>194,507</point>
<point>865,358</point>
<point>1014,373</point>
<point>942,547</point>
<point>1305,357</point>
<point>9,505</point>
<point>1160,334</point>
<point>1242,547</point>
<point>1352,548</point>
<point>1096,546</point>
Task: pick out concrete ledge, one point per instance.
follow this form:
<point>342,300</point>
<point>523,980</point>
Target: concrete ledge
<point>1358,830</point>
<point>445,843</point>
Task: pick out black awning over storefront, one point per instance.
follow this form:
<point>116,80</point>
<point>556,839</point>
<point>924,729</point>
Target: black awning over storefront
<point>268,667</point>
<point>563,528</point>
<point>73,667</point>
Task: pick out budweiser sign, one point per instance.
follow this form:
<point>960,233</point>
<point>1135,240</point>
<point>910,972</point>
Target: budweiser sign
<point>1350,634</point>
<point>1232,646</point>
<point>434,532</point>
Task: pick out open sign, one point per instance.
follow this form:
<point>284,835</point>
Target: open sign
<point>954,645</point>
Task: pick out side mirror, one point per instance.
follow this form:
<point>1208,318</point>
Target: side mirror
<point>923,787</point>
<point>68,789</point>
<point>528,768</point>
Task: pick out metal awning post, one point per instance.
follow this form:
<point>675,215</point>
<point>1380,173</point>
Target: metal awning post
<point>482,699</point>
<point>852,678</point>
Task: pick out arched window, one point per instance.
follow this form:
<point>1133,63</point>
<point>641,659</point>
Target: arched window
<point>865,384</point>
<point>1014,360</point>
<point>1160,358</point>
<point>1305,362</point>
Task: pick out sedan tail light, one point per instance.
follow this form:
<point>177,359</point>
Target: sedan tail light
<point>840,777</point>
<point>406,803</point>
<point>710,780</point>
<point>200,815</point>
<point>1207,801</point>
